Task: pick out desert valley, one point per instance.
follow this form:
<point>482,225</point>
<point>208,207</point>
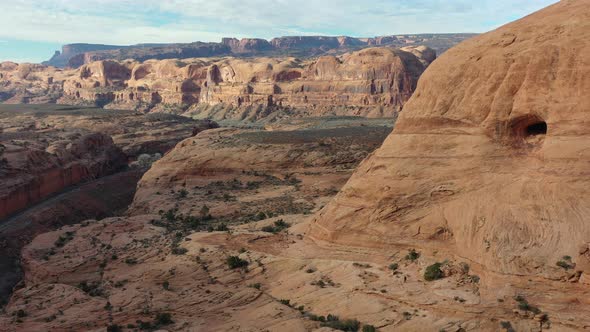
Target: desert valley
<point>416,182</point>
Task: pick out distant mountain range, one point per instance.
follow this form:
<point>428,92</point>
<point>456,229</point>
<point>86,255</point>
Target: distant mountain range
<point>76,55</point>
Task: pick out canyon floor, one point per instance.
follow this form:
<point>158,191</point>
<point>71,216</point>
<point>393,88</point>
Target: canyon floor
<point>217,239</point>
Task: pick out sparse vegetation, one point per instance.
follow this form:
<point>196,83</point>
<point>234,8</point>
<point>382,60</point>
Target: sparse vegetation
<point>235,262</point>
<point>131,261</point>
<point>393,266</point>
<point>179,251</point>
<point>183,193</point>
<point>278,227</point>
<point>256,285</point>
<point>433,272</point>
<point>566,263</point>
<point>161,319</point>
<point>64,238</point>
<point>412,255</point>
<point>334,322</point>
<point>114,328</point>
<point>523,305</point>
<point>91,288</point>
<point>369,328</point>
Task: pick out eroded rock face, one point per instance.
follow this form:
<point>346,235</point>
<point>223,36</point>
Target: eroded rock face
<point>373,82</point>
<point>489,158</point>
<point>32,172</point>
<point>31,83</point>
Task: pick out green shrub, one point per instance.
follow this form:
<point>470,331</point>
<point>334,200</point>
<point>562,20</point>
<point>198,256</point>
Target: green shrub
<point>163,319</point>
<point>433,272</point>
<point>222,228</point>
<point>256,285</point>
<point>182,193</point>
<point>564,265</point>
<point>412,255</point>
<point>278,226</point>
<point>131,261</point>
<point>114,328</point>
<point>235,262</point>
<point>334,322</point>
<point>64,238</point>
<point>369,328</point>
<point>393,266</point>
<point>523,305</point>
<point>166,285</point>
<point>179,251</point>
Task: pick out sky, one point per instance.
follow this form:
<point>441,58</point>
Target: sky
<point>31,30</point>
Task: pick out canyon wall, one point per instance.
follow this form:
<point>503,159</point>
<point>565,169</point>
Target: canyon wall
<point>372,82</point>
<point>31,173</point>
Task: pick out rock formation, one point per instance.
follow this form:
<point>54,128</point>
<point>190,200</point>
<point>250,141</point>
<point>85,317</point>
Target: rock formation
<point>372,82</point>
<point>489,159</point>
<point>30,83</point>
<point>31,173</point>
<point>76,55</point>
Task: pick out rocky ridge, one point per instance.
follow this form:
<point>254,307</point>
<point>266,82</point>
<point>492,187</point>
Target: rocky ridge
<point>373,82</point>
<point>75,55</point>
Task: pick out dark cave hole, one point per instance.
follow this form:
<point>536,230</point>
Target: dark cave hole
<point>535,129</point>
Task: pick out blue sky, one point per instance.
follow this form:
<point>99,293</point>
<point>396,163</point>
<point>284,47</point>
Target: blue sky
<point>34,29</point>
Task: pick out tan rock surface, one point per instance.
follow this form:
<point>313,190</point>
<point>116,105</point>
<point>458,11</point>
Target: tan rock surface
<point>488,159</point>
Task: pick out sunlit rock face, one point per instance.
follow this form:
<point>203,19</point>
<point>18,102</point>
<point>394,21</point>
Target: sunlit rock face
<point>490,158</point>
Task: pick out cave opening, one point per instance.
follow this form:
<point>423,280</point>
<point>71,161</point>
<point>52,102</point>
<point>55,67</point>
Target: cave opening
<point>535,129</point>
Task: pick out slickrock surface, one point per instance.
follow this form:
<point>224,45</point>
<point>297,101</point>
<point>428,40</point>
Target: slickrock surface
<point>488,161</point>
<point>48,154</point>
<point>242,173</point>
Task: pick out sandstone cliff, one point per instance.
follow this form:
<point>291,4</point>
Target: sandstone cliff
<point>372,82</point>
<point>31,173</point>
<point>76,55</point>
<point>488,161</point>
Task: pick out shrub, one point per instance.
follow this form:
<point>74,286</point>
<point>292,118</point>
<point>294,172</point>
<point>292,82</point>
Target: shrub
<point>182,193</point>
<point>317,318</point>
<point>166,285</point>
<point>285,302</point>
<point>222,228</point>
<point>369,328</point>
<point>412,255</point>
<point>525,306</point>
<point>163,319</point>
<point>278,226</point>
<point>179,251</point>
<point>235,262</point>
<point>114,328</point>
<point>21,313</point>
<point>256,285</point>
<point>564,265</point>
<point>131,261</point>
<point>343,325</point>
<point>433,272</point>
<point>63,239</point>
<point>92,288</point>
<point>393,266</point>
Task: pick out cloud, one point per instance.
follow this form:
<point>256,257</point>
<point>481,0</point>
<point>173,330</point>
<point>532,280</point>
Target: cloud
<point>130,22</point>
